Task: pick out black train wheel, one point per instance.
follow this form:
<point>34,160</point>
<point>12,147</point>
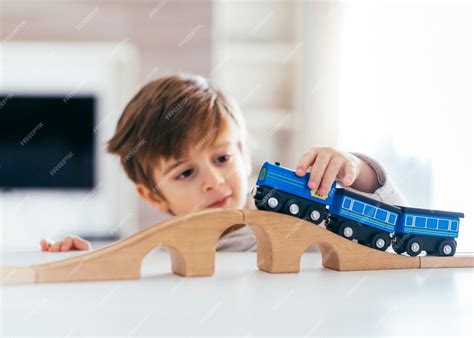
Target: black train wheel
<point>447,248</point>
<point>380,241</point>
<point>294,208</point>
<point>347,230</point>
<point>399,244</point>
<point>315,214</point>
<point>273,201</point>
<point>414,246</point>
<point>398,248</point>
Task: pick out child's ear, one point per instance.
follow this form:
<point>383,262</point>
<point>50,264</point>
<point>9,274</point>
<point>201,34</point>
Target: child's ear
<point>152,198</point>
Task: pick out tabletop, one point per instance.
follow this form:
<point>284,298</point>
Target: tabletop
<point>241,300</point>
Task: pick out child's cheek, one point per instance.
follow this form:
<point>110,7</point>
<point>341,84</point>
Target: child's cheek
<point>185,198</point>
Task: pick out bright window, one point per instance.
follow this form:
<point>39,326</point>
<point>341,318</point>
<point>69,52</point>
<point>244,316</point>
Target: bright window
<point>405,97</point>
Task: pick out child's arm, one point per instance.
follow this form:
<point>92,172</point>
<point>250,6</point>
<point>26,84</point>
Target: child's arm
<point>352,170</point>
<point>69,243</point>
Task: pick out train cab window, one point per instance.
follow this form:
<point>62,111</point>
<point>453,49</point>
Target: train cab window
<point>420,222</point>
<point>369,210</point>
<point>358,207</point>
<point>432,223</point>
<point>381,215</point>
<point>454,225</point>
<point>347,203</point>
<point>443,224</point>
<point>409,220</point>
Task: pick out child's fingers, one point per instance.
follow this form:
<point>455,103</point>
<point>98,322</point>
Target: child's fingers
<point>330,174</point>
<point>349,174</point>
<point>81,244</point>
<point>306,161</point>
<point>318,169</point>
<point>55,247</point>
<point>67,244</point>
<point>45,244</point>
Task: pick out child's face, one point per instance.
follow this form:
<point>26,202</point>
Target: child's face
<point>211,176</point>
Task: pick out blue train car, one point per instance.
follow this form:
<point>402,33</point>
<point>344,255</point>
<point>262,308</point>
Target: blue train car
<point>422,229</point>
<point>355,216</point>
<point>280,189</point>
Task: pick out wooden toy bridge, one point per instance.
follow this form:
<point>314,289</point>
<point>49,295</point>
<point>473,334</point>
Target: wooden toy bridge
<point>191,242</point>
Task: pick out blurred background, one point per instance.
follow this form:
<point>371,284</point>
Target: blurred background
<point>392,80</point>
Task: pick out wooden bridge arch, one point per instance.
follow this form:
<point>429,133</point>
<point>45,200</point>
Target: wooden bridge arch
<point>191,242</point>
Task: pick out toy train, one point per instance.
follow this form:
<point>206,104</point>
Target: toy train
<point>354,216</point>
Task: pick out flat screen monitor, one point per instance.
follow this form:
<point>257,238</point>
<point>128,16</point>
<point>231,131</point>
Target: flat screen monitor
<point>47,142</point>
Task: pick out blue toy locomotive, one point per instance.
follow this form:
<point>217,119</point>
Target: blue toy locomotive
<point>354,216</point>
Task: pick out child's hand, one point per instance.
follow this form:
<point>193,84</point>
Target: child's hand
<point>327,165</point>
<point>69,243</point>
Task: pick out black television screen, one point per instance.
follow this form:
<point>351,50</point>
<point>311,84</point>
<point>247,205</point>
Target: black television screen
<point>47,142</point>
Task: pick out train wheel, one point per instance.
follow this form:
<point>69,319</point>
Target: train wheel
<point>347,230</point>
<point>315,214</point>
<point>399,244</point>
<point>380,242</point>
<point>447,248</point>
<point>414,246</point>
<point>273,201</point>
<point>398,247</point>
<point>294,208</point>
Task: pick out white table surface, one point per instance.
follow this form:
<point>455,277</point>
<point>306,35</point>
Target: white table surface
<point>241,300</point>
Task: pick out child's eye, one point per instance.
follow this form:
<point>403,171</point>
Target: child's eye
<point>223,158</point>
<point>185,174</point>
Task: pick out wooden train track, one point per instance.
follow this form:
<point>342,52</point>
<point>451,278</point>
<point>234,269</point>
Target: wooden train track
<point>191,242</point>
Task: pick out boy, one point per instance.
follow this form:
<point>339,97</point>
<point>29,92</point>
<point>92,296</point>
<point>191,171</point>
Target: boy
<point>184,145</point>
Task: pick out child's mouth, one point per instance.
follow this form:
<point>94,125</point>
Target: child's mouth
<point>220,203</point>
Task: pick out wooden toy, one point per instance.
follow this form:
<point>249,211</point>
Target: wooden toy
<point>355,216</point>
<point>191,242</point>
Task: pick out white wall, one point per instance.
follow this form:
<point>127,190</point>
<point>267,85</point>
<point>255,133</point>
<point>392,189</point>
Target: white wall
<point>170,36</point>
<point>62,69</point>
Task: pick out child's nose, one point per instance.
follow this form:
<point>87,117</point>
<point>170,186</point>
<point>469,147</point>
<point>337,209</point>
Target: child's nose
<point>212,179</point>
